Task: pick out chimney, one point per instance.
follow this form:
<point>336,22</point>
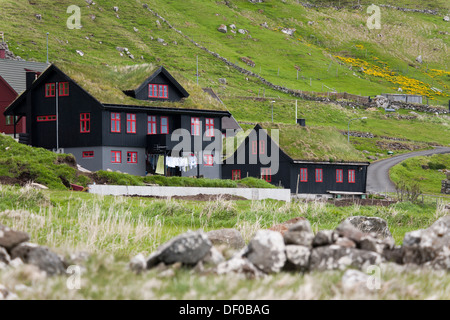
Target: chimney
<point>2,53</point>
<point>30,77</point>
<point>301,122</point>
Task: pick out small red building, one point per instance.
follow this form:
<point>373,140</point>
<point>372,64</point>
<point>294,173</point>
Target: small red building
<point>12,83</point>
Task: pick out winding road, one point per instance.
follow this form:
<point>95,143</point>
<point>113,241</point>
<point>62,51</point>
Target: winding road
<point>378,173</point>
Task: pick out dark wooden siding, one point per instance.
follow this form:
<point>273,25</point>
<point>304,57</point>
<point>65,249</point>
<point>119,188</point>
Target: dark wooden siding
<point>288,172</point>
<point>250,169</point>
<point>329,178</point>
<point>70,107</point>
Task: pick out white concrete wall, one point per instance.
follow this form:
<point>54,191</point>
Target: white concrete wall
<point>248,193</point>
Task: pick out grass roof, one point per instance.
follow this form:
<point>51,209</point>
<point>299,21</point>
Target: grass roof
<point>107,83</point>
<point>314,143</point>
<point>306,143</point>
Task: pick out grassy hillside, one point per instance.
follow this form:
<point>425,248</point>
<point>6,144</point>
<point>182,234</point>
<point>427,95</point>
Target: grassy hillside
<point>425,171</point>
<point>326,43</point>
<point>332,49</point>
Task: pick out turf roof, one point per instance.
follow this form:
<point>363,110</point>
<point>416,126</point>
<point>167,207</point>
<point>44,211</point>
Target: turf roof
<point>314,143</point>
<point>311,143</point>
<point>107,83</point>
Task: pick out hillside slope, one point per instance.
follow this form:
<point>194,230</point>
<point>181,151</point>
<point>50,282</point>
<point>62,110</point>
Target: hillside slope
<point>332,49</point>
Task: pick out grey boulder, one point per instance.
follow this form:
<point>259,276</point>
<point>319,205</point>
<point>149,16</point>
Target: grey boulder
<point>232,238</point>
<point>325,238</point>
<point>338,258</point>
<point>41,257</point>
<point>188,248</point>
<point>431,245</point>
<point>376,226</point>
<point>300,234</point>
<point>297,258</point>
<point>267,251</point>
<point>10,238</point>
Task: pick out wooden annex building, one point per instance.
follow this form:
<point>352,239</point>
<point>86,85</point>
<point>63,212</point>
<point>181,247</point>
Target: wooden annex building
<point>310,160</point>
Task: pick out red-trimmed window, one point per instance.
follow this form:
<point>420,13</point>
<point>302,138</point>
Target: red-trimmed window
<point>88,154</point>
<point>164,125</point>
<point>319,175</point>
<point>132,157</point>
<point>115,122</point>
<point>163,92</point>
<point>158,91</point>
<point>151,125</point>
<point>236,175</point>
<point>195,126</point>
<point>63,89</point>
<point>266,174</point>
<point>262,147</point>
<point>209,160</point>
<point>303,175</point>
<point>254,147</point>
<point>131,123</point>
<point>50,90</point>
<point>85,122</point>
<point>153,91</point>
<point>351,176</point>
<point>339,175</point>
<point>209,127</point>
<point>116,157</point>
<point>46,118</point>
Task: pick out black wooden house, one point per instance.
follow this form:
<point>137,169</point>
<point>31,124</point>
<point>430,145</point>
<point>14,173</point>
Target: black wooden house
<point>90,114</point>
<point>298,166</point>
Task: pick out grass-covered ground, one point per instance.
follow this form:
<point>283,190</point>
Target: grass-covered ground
<point>424,171</point>
<point>113,229</point>
<point>329,46</point>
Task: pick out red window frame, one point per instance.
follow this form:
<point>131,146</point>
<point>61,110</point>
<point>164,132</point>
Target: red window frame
<point>266,174</point>
<point>115,122</point>
<point>195,126</point>
<point>132,157</point>
<point>116,156</point>
<point>46,118</point>
<point>235,174</point>
<point>319,175</point>
<point>209,160</point>
<point>163,91</point>
<point>262,147</point>
<point>153,91</point>
<point>351,176</point>
<point>88,154</point>
<point>158,91</point>
<point>209,122</point>
<point>50,91</point>
<point>303,175</point>
<point>85,122</point>
<point>131,123</point>
<point>254,147</point>
<point>151,125</point>
<point>164,127</point>
<point>63,89</point>
<point>339,176</point>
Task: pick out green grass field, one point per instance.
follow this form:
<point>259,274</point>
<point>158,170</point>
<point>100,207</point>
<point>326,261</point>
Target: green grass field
<point>424,171</point>
<point>113,229</point>
<point>315,47</point>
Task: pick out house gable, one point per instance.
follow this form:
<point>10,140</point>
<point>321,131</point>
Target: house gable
<point>39,105</point>
<point>160,86</point>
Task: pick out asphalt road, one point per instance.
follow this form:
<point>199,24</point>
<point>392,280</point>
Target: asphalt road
<point>378,173</point>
